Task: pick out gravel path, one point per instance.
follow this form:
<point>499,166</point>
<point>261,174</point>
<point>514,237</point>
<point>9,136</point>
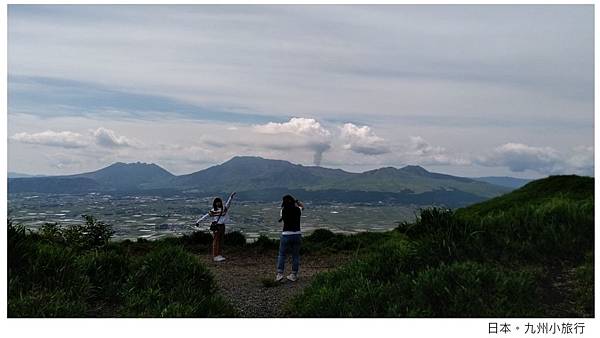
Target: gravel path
<point>241,276</point>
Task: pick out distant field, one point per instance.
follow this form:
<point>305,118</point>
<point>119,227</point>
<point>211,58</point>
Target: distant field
<point>154,217</point>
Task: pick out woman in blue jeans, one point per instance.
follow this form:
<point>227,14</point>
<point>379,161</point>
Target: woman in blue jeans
<point>291,237</point>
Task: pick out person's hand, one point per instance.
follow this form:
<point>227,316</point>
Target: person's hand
<point>233,194</point>
<point>197,224</point>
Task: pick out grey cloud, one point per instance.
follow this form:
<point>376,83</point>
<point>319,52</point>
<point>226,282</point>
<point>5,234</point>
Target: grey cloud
<point>108,138</point>
<point>520,72</point>
<point>546,160</point>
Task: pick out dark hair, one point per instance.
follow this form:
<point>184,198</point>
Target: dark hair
<point>215,201</point>
<point>288,201</point>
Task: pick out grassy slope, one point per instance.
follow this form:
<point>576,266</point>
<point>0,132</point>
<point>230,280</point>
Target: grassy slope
<point>572,187</point>
<point>500,258</point>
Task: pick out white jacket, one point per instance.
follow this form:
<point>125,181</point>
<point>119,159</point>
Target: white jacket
<point>224,219</point>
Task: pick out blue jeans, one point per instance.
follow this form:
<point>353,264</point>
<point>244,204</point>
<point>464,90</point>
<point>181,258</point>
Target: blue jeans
<point>289,243</point>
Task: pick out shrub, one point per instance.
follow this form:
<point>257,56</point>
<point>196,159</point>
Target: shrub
<point>320,235</point>
<point>235,238</point>
<point>170,282</point>
<point>464,289</point>
<point>49,283</point>
<point>89,235</point>
<point>51,231</point>
<point>264,243</point>
<point>198,238</point>
<point>107,272</point>
<point>46,303</point>
<point>359,288</point>
<point>21,248</point>
<point>467,289</point>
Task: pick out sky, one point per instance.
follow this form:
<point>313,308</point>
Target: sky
<point>469,90</point>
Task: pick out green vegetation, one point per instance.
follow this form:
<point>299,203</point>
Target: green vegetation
<point>584,287</point>
<point>493,259</point>
<point>76,272</point>
<point>499,258</point>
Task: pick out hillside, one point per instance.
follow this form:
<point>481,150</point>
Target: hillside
<point>127,175</point>
<point>117,176</point>
<point>244,173</point>
<point>262,177</point>
<point>528,253</point>
<point>412,179</point>
<point>256,178</point>
<point>572,187</point>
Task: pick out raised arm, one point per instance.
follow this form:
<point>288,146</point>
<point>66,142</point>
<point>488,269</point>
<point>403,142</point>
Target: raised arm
<point>202,218</point>
<point>228,203</point>
<point>300,204</point>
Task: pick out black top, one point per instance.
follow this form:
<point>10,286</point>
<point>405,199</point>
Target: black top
<point>291,218</point>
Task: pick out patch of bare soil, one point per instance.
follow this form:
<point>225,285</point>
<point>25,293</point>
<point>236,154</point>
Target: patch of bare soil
<point>241,276</point>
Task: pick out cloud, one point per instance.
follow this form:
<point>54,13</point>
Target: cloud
<point>301,132</point>
<point>64,139</point>
<point>420,151</point>
<point>109,139</point>
<point>64,161</point>
<point>296,125</point>
<point>520,157</point>
<point>362,140</point>
<point>101,136</point>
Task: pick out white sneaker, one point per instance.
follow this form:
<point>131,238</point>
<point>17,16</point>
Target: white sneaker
<point>219,258</point>
<point>279,277</point>
<point>293,277</point>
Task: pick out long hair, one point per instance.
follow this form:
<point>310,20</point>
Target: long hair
<point>216,201</point>
<point>288,201</point>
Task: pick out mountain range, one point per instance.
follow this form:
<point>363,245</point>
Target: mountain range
<point>256,178</point>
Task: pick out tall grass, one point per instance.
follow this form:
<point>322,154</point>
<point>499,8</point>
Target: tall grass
<point>487,260</point>
<point>75,272</point>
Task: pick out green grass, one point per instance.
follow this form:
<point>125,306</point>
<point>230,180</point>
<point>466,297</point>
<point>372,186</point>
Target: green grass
<point>493,259</point>
<point>52,276</point>
<point>487,260</point>
<point>584,287</point>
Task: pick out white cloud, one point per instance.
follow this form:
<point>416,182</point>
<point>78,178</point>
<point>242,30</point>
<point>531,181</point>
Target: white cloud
<point>68,139</point>
<point>419,151</point>
<point>109,139</point>
<point>296,125</point>
<point>362,140</point>
<point>582,159</point>
<point>520,157</point>
<point>298,132</point>
<point>64,139</point>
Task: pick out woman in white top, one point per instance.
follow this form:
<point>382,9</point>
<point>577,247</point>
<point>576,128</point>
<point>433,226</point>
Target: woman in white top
<point>220,217</point>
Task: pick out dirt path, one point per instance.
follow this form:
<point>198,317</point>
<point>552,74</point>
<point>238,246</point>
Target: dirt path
<point>240,279</point>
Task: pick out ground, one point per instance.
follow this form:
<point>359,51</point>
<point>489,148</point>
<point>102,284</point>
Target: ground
<point>240,279</point>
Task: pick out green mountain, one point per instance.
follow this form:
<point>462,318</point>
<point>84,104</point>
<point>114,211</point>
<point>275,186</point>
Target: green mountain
<point>257,178</point>
<point>124,176</point>
<point>243,173</point>
<point>412,179</point>
<point>116,177</point>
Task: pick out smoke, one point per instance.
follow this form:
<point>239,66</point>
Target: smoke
<point>298,133</point>
<point>319,149</point>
